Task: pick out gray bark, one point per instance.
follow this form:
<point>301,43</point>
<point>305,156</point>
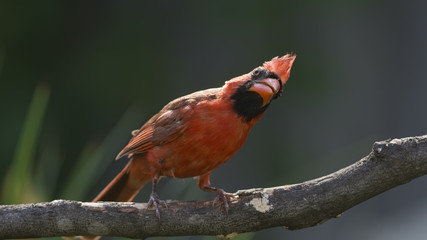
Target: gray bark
<point>390,163</point>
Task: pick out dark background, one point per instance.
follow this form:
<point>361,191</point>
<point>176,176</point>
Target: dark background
<point>76,77</point>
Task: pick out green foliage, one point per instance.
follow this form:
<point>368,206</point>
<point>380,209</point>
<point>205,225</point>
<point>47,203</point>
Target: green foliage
<point>18,184</point>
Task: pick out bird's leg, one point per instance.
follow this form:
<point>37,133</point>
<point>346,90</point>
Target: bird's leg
<point>221,196</point>
<point>154,198</point>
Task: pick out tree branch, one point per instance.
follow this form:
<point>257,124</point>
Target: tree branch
<point>391,163</point>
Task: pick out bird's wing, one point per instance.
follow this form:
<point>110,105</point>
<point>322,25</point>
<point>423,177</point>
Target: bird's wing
<point>162,128</point>
<point>166,126</point>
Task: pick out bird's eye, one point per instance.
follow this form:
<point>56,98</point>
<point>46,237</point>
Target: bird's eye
<point>257,72</point>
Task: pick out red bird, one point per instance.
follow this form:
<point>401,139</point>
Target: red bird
<point>196,133</point>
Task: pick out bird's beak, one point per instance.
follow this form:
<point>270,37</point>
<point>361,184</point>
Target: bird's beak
<point>267,89</point>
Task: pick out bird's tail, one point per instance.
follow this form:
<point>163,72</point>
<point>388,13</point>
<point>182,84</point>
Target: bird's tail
<point>124,187</point>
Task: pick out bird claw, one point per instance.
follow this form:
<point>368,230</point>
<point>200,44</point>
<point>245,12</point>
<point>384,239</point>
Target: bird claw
<point>155,202</point>
<point>224,198</point>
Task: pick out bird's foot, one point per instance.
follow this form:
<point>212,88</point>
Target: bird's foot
<point>155,202</point>
<point>223,198</point>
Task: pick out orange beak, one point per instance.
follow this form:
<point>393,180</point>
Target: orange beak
<point>267,89</point>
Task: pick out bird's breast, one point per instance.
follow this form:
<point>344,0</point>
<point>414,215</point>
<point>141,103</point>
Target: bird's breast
<point>214,133</point>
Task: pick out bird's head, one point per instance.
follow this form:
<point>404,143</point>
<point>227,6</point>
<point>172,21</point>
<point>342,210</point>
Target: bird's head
<point>252,93</point>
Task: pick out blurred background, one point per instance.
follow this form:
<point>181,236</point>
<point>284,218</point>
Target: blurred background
<point>76,77</point>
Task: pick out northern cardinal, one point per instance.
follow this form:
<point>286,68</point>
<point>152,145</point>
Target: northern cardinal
<point>196,133</point>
